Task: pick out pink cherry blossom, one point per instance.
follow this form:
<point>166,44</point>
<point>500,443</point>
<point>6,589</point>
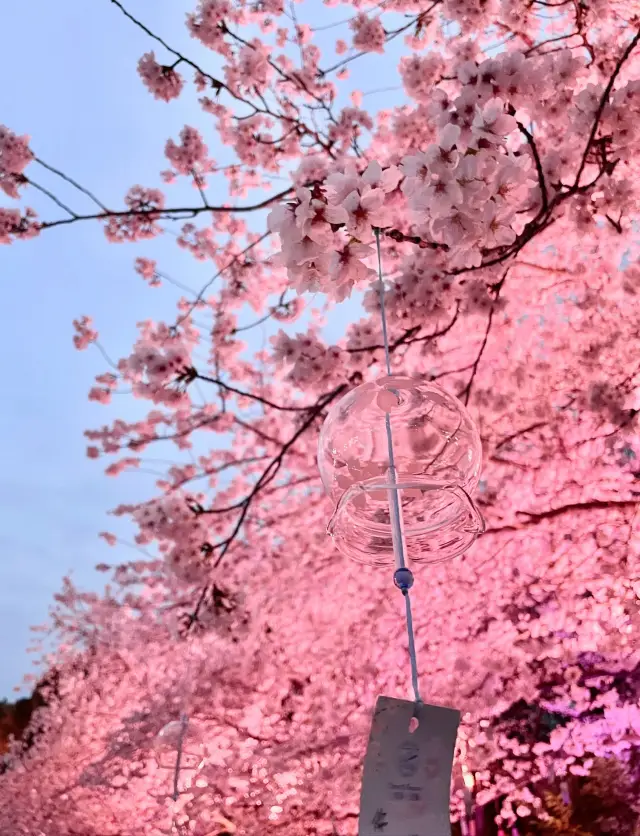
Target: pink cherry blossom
<point>85,334</point>
<point>369,34</point>
<point>498,225</point>
<point>492,124</point>
<point>364,211</point>
<point>164,82</point>
<point>493,148</point>
<point>419,74</point>
<point>146,267</point>
<point>191,156</point>
<point>140,220</point>
<point>314,217</point>
<point>440,195</point>
<point>341,184</point>
<point>15,156</point>
<point>443,157</point>
<point>17,225</point>
<point>378,178</point>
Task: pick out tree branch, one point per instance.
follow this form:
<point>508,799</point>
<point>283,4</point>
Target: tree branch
<point>267,476</point>
<point>71,182</point>
<point>539,169</point>
<point>466,392</point>
<point>167,214</point>
<point>518,433</point>
<point>193,374</point>
<point>408,338</point>
<point>533,518</point>
<point>182,59</point>
<point>601,106</point>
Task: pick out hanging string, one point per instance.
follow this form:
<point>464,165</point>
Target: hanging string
<point>184,722</point>
<point>403,577</point>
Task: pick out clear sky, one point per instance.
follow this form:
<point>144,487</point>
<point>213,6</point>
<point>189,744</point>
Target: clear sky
<point>74,89</point>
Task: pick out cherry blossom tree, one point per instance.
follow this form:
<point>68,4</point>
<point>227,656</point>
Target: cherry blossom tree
<point>504,189</point>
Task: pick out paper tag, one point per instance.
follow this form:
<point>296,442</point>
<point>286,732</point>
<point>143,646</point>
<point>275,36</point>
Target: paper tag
<point>406,782</point>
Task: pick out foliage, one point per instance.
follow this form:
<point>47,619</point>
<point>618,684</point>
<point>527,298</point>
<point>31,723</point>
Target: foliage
<point>559,821</point>
<point>505,186</point>
<point>605,802</point>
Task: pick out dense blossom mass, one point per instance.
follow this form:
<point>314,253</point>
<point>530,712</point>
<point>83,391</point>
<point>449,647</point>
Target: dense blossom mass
<point>505,185</point>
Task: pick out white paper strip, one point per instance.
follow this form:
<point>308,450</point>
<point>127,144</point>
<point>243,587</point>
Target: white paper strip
<point>406,782</point>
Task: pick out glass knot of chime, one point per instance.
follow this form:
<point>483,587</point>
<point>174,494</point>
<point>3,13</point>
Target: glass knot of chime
<point>435,466</point>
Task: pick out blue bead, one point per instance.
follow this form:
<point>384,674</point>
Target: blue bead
<point>403,578</point>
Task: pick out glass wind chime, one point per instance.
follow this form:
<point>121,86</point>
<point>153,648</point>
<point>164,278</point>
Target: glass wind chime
<point>180,750</point>
<point>400,458</point>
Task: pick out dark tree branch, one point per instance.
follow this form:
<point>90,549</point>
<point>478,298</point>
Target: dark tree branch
<point>71,182</point>
<point>518,433</point>
<point>267,476</point>
<point>417,21</point>
<point>591,505</point>
<point>279,304</point>
<point>601,106</point>
<point>261,435</point>
<point>466,392</point>
<point>181,59</point>
<point>409,337</point>
<point>220,85</point>
<point>51,196</point>
<point>539,169</point>
<point>535,518</point>
<point>204,289</point>
<point>178,213</point>
<point>193,374</point>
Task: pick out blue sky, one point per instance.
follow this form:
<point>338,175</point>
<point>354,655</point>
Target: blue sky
<point>76,92</point>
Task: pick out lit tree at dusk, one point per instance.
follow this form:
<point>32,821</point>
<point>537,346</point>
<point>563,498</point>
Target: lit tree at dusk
<point>506,188</point>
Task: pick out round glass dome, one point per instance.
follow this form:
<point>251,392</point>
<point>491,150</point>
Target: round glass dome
<point>437,456</point>
<point>184,737</point>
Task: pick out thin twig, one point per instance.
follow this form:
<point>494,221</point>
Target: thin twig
<point>195,375</point>
<point>601,106</point>
<point>204,289</point>
<point>168,214</point>
<point>72,182</point>
<point>538,162</point>
<point>466,392</point>
<point>50,196</point>
<point>267,476</point>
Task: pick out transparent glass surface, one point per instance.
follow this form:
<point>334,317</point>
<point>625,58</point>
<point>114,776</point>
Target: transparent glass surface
<point>437,456</point>
<point>186,738</point>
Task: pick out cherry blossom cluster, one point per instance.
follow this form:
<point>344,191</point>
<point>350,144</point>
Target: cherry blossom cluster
<point>158,360</point>
<point>107,384</point>
<point>190,157</point>
<point>85,333</point>
<point>463,192</point>
<point>163,82</point>
<point>14,224</point>
<point>419,73</point>
<point>146,267</point>
<point>252,67</point>
<point>140,219</point>
<point>607,399</point>
<point>311,363</point>
<point>316,257</point>
<point>171,521</point>
<point>204,23</point>
<point>422,292</point>
<point>15,156</point>
<point>368,33</point>
<point>500,179</point>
